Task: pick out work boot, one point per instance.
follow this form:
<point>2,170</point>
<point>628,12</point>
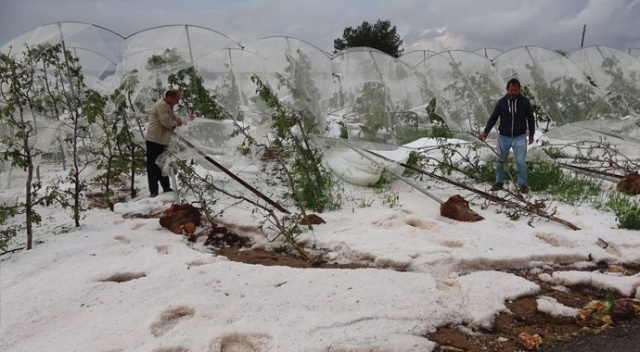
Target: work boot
<point>497,187</point>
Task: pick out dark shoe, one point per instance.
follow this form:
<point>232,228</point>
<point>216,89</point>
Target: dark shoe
<point>523,189</point>
<point>153,195</point>
<point>497,187</point>
<point>168,190</point>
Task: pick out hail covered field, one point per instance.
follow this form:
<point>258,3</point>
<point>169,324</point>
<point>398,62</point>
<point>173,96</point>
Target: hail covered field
<point>375,146</point>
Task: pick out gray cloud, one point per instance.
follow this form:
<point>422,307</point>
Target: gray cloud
<point>434,25</point>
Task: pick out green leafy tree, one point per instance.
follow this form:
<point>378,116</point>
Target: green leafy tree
<point>19,96</point>
<point>294,161</point>
<point>624,89</point>
<point>46,97</point>
<point>545,96</point>
<point>118,155</point>
<point>161,66</point>
<point>123,97</point>
<point>196,99</point>
<point>59,91</point>
<point>370,106</point>
<point>381,36</point>
<point>439,127</point>
<point>579,100</point>
<point>229,97</point>
<point>194,96</point>
<point>299,163</point>
<point>299,80</point>
<point>564,99</point>
<point>69,89</point>
<point>475,95</point>
<point>540,114</point>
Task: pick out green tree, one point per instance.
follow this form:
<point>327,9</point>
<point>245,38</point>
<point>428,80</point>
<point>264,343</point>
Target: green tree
<point>200,101</point>
<point>563,99</point>
<point>623,90</point>
<point>298,162</point>
<point>381,36</point>
<point>370,106</point>
<point>229,96</point>
<point>299,80</point>
<point>475,96</point>
<point>20,98</point>
<point>195,97</point>
<point>116,149</point>
<point>66,86</point>
<point>162,65</point>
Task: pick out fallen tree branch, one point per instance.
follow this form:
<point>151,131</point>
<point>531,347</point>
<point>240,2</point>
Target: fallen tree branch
<point>528,207</point>
<point>607,176</point>
<point>232,175</point>
<point>283,225</point>
<point>11,251</point>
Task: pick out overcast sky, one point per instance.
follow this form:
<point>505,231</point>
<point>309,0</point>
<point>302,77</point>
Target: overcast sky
<point>423,24</point>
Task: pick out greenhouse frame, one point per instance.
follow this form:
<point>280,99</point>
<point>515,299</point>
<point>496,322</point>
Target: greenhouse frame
<point>359,94</point>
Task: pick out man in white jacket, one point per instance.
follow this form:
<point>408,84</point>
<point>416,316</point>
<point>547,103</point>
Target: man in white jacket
<point>162,122</point>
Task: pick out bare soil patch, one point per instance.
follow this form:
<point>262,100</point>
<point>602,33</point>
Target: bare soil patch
<point>505,334</point>
<point>268,258</point>
<point>525,318</point>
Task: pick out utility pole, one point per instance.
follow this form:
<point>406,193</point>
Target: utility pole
<point>584,30</point>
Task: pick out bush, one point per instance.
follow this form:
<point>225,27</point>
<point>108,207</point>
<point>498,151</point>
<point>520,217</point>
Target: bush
<point>481,173</point>
<point>627,212</point>
<point>441,132</point>
<point>543,176</point>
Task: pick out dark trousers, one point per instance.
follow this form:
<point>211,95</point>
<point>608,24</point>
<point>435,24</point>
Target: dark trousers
<point>154,174</point>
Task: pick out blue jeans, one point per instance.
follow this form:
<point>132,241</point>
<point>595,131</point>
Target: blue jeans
<point>519,146</point>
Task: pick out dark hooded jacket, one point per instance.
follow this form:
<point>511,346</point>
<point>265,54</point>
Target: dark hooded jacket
<point>515,115</point>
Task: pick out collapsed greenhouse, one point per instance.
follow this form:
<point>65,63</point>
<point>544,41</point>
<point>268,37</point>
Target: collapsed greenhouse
<point>83,85</point>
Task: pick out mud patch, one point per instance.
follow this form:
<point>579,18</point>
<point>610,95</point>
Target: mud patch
<point>553,240</point>
<point>163,249</point>
<point>170,318</point>
<point>268,258</point>
<point>238,342</point>
<point>171,349</point>
<point>525,317</point>
<point>122,239</point>
<point>123,277</point>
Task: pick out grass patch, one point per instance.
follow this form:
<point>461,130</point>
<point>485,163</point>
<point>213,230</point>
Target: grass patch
<point>627,211</point>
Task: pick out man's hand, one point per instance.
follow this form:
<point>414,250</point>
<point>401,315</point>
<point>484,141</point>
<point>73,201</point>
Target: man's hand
<point>178,122</point>
<point>530,139</point>
<point>191,117</point>
<point>482,136</point>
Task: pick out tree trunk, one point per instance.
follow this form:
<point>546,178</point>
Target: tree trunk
<point>76,178</point>
<point>29,213</point>
<point>133,172</point>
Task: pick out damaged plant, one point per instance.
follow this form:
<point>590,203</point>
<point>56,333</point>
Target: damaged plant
<point>292,160</point>
<point>513,204</point>
<point>204,190</point>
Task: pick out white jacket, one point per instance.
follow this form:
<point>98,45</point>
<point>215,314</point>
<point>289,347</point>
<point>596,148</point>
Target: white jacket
<point>162,122</point>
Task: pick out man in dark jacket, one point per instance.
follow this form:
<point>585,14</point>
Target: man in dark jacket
<point>516,119</point>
